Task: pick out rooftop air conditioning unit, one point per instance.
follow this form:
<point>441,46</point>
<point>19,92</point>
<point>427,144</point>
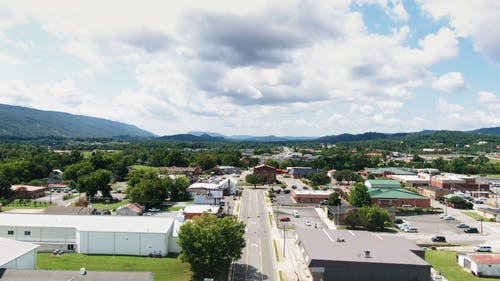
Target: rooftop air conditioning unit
<point>366,254</point>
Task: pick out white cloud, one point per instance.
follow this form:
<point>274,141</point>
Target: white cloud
<point>5,59</point>
<point>449,82</point>
<point>475,19</point>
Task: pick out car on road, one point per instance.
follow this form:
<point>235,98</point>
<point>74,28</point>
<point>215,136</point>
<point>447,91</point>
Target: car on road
<point>462,225</point>
<point>284,219</point>
<point>308,222</point>
<point>471,230</point>
<point>441,216</point>
<point>438,239</point>
<point>482,248</point>
<point>448,218</point>
<point>153,210</point>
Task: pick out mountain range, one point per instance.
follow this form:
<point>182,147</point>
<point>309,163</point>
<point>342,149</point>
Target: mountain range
<point>27,123</point>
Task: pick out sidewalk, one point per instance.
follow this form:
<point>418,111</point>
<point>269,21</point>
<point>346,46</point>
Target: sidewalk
<point>324,217</point>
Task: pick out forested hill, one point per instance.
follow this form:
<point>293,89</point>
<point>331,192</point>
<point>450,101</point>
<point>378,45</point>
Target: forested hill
<point>23,122</point>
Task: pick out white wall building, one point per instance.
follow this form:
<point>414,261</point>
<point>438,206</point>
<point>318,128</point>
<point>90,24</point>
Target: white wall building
<point>17,255</point>
<point>111,235</point>
<point>483,265</point>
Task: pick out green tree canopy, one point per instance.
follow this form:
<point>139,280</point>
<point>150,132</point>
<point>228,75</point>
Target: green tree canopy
<point>335,198</point>
<point>5,191</point>
<point>254,179</point>
<point>358,195</point>
<point>210,244</point>
<point>98,180</point>
<point>146,188</point>
<point>373,217</point>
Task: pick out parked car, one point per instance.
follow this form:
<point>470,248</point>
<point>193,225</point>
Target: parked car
<point>308,222</point>
<point>462,225</point>
<point>284,219</point>
<point>448,218</point>
<point>295,213</point>
<point>438,239</point>
<point>441,216</point>
<point>398,221</point>
<point>404,225</point>
<point>153,210</point>
<point>482,248</point>
<point>471,230</point>
<point>411,230</point>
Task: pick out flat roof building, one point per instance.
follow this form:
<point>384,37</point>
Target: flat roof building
<point>344,255</point>
<point>17,255</point>
<point>65,275</point>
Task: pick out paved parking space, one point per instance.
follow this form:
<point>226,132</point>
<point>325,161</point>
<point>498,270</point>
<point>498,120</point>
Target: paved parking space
<point>433,224</point>
<point>304,214</point>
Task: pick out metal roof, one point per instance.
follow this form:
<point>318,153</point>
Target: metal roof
<point>12,249</point>
<point>349,246</point>
<point>65,275</point>
<point>153,224</point>
<point>394,193</point>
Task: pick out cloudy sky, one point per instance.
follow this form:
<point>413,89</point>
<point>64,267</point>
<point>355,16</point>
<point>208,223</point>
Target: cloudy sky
<point>297,68</point>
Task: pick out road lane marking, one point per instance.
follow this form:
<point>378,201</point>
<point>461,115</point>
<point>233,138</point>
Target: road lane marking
<point>326,233</point>
<point>260,252</point>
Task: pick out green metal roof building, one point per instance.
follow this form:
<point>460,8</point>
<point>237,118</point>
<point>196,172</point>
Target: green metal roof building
<point>397,197</point>
<point>382,184</point>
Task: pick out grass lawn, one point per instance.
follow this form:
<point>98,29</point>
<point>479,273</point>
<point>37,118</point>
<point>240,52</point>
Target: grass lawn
<point>164,269</point>
<point>18,204</point>
<point>144,167</point>
<point>112,206</point>
<point>475,216</point>
<point>446,263</point>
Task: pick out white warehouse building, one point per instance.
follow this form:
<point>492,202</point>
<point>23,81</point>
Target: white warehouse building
<point>17,254</point>
<point>110,235</point>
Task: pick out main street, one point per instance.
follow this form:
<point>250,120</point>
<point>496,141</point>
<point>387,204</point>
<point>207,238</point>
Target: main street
<point>257,261</point>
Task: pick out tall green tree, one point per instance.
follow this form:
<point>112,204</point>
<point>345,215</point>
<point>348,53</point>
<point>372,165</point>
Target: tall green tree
<point>96,181</point>
<point>5,191</point>
<point>335,198</point>
<point>374,218</point>
<point>254,179</point>
<point>358,195</point>
<point>210,245</point>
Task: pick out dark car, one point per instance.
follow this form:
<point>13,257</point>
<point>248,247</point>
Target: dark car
<point>438,239</point>
<point>284,219</point>
<point>471,230</point>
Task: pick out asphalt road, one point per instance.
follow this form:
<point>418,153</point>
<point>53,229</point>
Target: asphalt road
<point>257,261</point>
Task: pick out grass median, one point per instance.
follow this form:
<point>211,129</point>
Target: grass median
<point>169,268</point>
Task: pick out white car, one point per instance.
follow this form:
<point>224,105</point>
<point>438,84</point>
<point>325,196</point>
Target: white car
<point>404,225</point>
<point>448,218</point>
<point>308,222</point>
<point>411,230</point>
<point>482,248</point>
<point>441,216</point>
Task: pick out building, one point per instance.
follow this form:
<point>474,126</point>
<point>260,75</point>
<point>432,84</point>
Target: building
<point>67,210</point>
<point>191,173</point>
<point>310,196</point>
<point>65,275</point>
<point>105,235</point>
<point>463,183</point>
<point>433,192</point>
<point>482,265</point>
<point>493,214</point>
<point>301,172</point>
<point>17,255</point>
<point>28,191</point>
<point>397,197</point>
<point>343,255</point>
<point>384,172</point>
<point>421,179</point>
<point>191,211</point>
<point>132,209</point>
<point>268,172</point>
<point>382,184</point>
<point>212,192</point>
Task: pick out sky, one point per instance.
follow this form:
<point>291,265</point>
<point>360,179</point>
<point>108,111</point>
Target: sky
<point>285,68</point>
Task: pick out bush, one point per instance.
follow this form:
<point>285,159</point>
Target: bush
<point>294,187</point>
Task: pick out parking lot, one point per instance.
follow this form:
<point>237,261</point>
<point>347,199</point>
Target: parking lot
<point>432,224</point>
<point>304,214</point>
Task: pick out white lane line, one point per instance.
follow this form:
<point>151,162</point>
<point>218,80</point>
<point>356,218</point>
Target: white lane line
<point>326,233</point>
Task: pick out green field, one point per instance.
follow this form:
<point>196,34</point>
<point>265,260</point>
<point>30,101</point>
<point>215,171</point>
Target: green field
<point>164,269</point>
<point>446,263</point>
<point>475,216</point>
<point>25,204</point>
<point>143,167</point>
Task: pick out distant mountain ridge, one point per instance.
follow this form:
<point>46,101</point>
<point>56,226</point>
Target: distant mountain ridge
<point>24,122</point>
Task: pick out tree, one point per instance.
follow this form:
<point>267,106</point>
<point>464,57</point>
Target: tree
<point>272,162</point>
<point>148,192</point>
<point>210,245</point>
<point>352,218</point>
<point>254,179</point>
<point>374,218</point>
<point>207,161</point>
<point>5,191</point>
<point>98,180</point>
<point>319,179</point>
<point>335,198</point>
<point>358,196</point>
<point>178,189</point>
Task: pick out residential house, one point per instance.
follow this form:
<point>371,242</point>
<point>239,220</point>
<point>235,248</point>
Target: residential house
<point>132,209</point>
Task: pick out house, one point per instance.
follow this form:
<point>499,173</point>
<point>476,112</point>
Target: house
<point>343,255</point>
<point>17,255</point>
<point>382,184</point>
<point>65,275</point>
<point>268,172</point>
<point>310,196</point>
<point>28,191</point>
<point>104,235</point>
<point>480,264</point>
<point>191,211</point>
<point>301,172</point>
<point>132,209</point>
<point>67,210</point>
<point>397,197</point>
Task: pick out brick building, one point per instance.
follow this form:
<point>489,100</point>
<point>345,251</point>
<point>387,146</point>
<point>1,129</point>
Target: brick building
<point>268,172</point>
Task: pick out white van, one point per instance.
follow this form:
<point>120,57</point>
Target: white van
<point>295,213</point>
<point>482,248</point>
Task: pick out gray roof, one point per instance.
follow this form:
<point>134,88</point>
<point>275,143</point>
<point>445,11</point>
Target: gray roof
<point>12,249</point>
<point>321,244</point>
<point>64,275</point>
